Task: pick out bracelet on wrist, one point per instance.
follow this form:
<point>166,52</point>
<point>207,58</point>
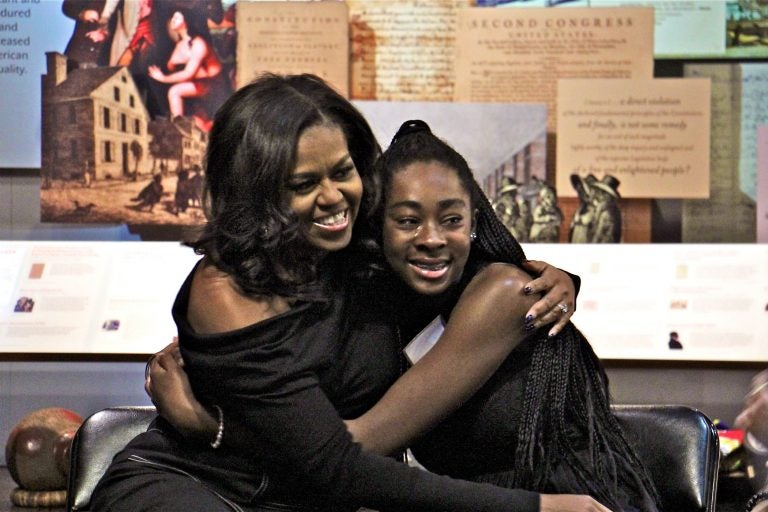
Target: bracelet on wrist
<point>220,432</point>
<point>755,499</point>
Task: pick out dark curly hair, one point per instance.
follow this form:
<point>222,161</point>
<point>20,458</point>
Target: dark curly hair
<point>251,232</point>
<point>567,388</point>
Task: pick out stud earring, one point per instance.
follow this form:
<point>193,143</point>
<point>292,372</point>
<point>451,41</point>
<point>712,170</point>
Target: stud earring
<point>473,236</point>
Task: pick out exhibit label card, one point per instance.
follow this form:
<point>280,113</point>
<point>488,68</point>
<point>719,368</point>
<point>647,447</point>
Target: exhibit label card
<point>517,55</point>
<point>652,135</point>
<point>293,37</point>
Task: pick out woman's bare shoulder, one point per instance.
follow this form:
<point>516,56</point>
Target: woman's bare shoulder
<point>218,305</point>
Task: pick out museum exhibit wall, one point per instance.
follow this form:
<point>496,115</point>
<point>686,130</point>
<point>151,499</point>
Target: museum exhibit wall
<point>690,204</point>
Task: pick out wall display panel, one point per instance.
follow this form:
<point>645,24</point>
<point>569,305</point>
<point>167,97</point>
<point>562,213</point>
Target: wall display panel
<point>89,297</point>
<point>498,140</point>
<point>737,106</point>
<point>62,60</point>
<point>403,50</point>
<point>125,128</point>
<point>753,90</point>
<point>290,37</point>
<point>688,29</point>
<point>762,184</point>
<point>704,302</point>
<point>29,30</point>
<point>115,298</point>
<point>529,50</point>
<point>126,107</point>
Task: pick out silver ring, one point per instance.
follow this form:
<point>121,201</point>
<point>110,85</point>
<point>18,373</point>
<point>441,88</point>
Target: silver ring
<point>563,308</point>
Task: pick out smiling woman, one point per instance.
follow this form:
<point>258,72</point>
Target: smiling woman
<point>428,226</point>
<point>542,421</point>
<point>325,189</point>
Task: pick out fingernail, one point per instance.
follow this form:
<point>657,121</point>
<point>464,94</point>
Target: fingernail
<point>529,319</point>
<point>527,290</point>
<point>529,327</point>
<point>551,334</point>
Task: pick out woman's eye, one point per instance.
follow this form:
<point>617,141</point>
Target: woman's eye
<point>454,220</point>
<point>301,187</point>
<point>407,222</point>
<point>344,172</point>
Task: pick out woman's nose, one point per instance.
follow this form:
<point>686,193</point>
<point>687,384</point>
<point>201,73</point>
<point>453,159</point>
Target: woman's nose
<point>329,193</point>
<point>430,235</point>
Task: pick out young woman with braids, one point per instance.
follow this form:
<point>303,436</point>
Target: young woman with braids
<point>542,421</point>
<point>278,336</point>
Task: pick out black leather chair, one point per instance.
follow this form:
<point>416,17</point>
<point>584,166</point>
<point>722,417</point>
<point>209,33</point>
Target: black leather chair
<point>680,448</point>
<point>96,442</point>
<point>679,445</point>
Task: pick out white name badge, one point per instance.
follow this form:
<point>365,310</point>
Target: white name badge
<point>425,340</point>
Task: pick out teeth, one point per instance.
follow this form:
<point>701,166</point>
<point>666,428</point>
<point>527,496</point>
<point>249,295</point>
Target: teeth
<point>332,220</point>
<point>433,266</point>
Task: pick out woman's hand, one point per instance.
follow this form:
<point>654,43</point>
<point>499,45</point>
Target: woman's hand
<point>570,503</point>
<point>167,385</point>
<point>559,296</point>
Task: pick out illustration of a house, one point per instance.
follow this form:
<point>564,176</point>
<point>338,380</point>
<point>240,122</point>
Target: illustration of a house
<point>93,121</point>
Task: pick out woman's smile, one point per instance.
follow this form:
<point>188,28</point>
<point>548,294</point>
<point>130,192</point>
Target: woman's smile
<point>324,189</point>
<point>335,222</point>
<point>430,269</point>
<point>427,227</point>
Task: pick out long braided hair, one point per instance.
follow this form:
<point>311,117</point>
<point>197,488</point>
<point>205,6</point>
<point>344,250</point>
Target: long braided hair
<point>566,418</point>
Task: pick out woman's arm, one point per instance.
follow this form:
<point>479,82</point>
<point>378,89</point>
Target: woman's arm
<point>171,393</point>
<point>167,378</point>
<point>485,325</point>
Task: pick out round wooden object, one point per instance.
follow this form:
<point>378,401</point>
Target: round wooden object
<point>37,450</point>
<point>38,499</point>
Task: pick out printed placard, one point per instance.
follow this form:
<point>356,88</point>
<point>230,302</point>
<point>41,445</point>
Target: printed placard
<point>652,136</point>
<point>293,37</point>
<point>518,55</point>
